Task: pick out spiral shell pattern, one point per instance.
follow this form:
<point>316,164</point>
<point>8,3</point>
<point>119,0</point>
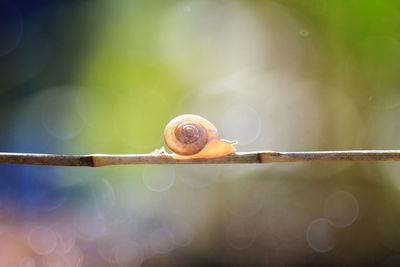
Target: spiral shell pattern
<point>188,134</point>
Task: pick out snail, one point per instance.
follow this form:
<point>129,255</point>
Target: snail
<point>191,136</point>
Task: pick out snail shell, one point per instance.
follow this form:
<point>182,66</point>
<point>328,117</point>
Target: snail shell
<point>192,136</point>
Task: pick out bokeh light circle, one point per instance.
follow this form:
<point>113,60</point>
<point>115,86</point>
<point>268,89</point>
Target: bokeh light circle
<point>182,234</point>
<point>42,240</point>
<point>66,238</point>
<point>60,116</point>
<point>91,227</point>
<point>161,241</point>
<point>320,236</point>
<point>341,209</point>
<point>27,262</point>
<point>74,258</point>
<point>104,196</point>
<point>241,123</point>
<point>158,178</point>
<point>129,254</point>
<point>240,233</point>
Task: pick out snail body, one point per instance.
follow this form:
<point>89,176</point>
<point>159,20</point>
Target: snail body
<point>192,136</point>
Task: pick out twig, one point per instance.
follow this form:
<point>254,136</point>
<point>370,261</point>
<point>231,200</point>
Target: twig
<point>98,160</point>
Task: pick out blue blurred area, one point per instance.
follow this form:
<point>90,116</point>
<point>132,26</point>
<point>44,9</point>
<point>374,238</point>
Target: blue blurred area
<point>31,8</point>
<point>28,60</point>
<point>41,46</point>
<point>32,62</point>
<point>29,189</point>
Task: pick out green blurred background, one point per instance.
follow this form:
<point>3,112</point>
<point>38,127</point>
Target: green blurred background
<point>83,77</point>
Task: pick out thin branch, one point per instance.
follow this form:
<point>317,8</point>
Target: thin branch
<point>98,160</point>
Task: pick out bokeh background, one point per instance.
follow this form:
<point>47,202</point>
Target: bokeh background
<point>288,75</point>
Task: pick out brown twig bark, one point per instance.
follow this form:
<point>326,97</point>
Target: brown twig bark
<point>98,160</point>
